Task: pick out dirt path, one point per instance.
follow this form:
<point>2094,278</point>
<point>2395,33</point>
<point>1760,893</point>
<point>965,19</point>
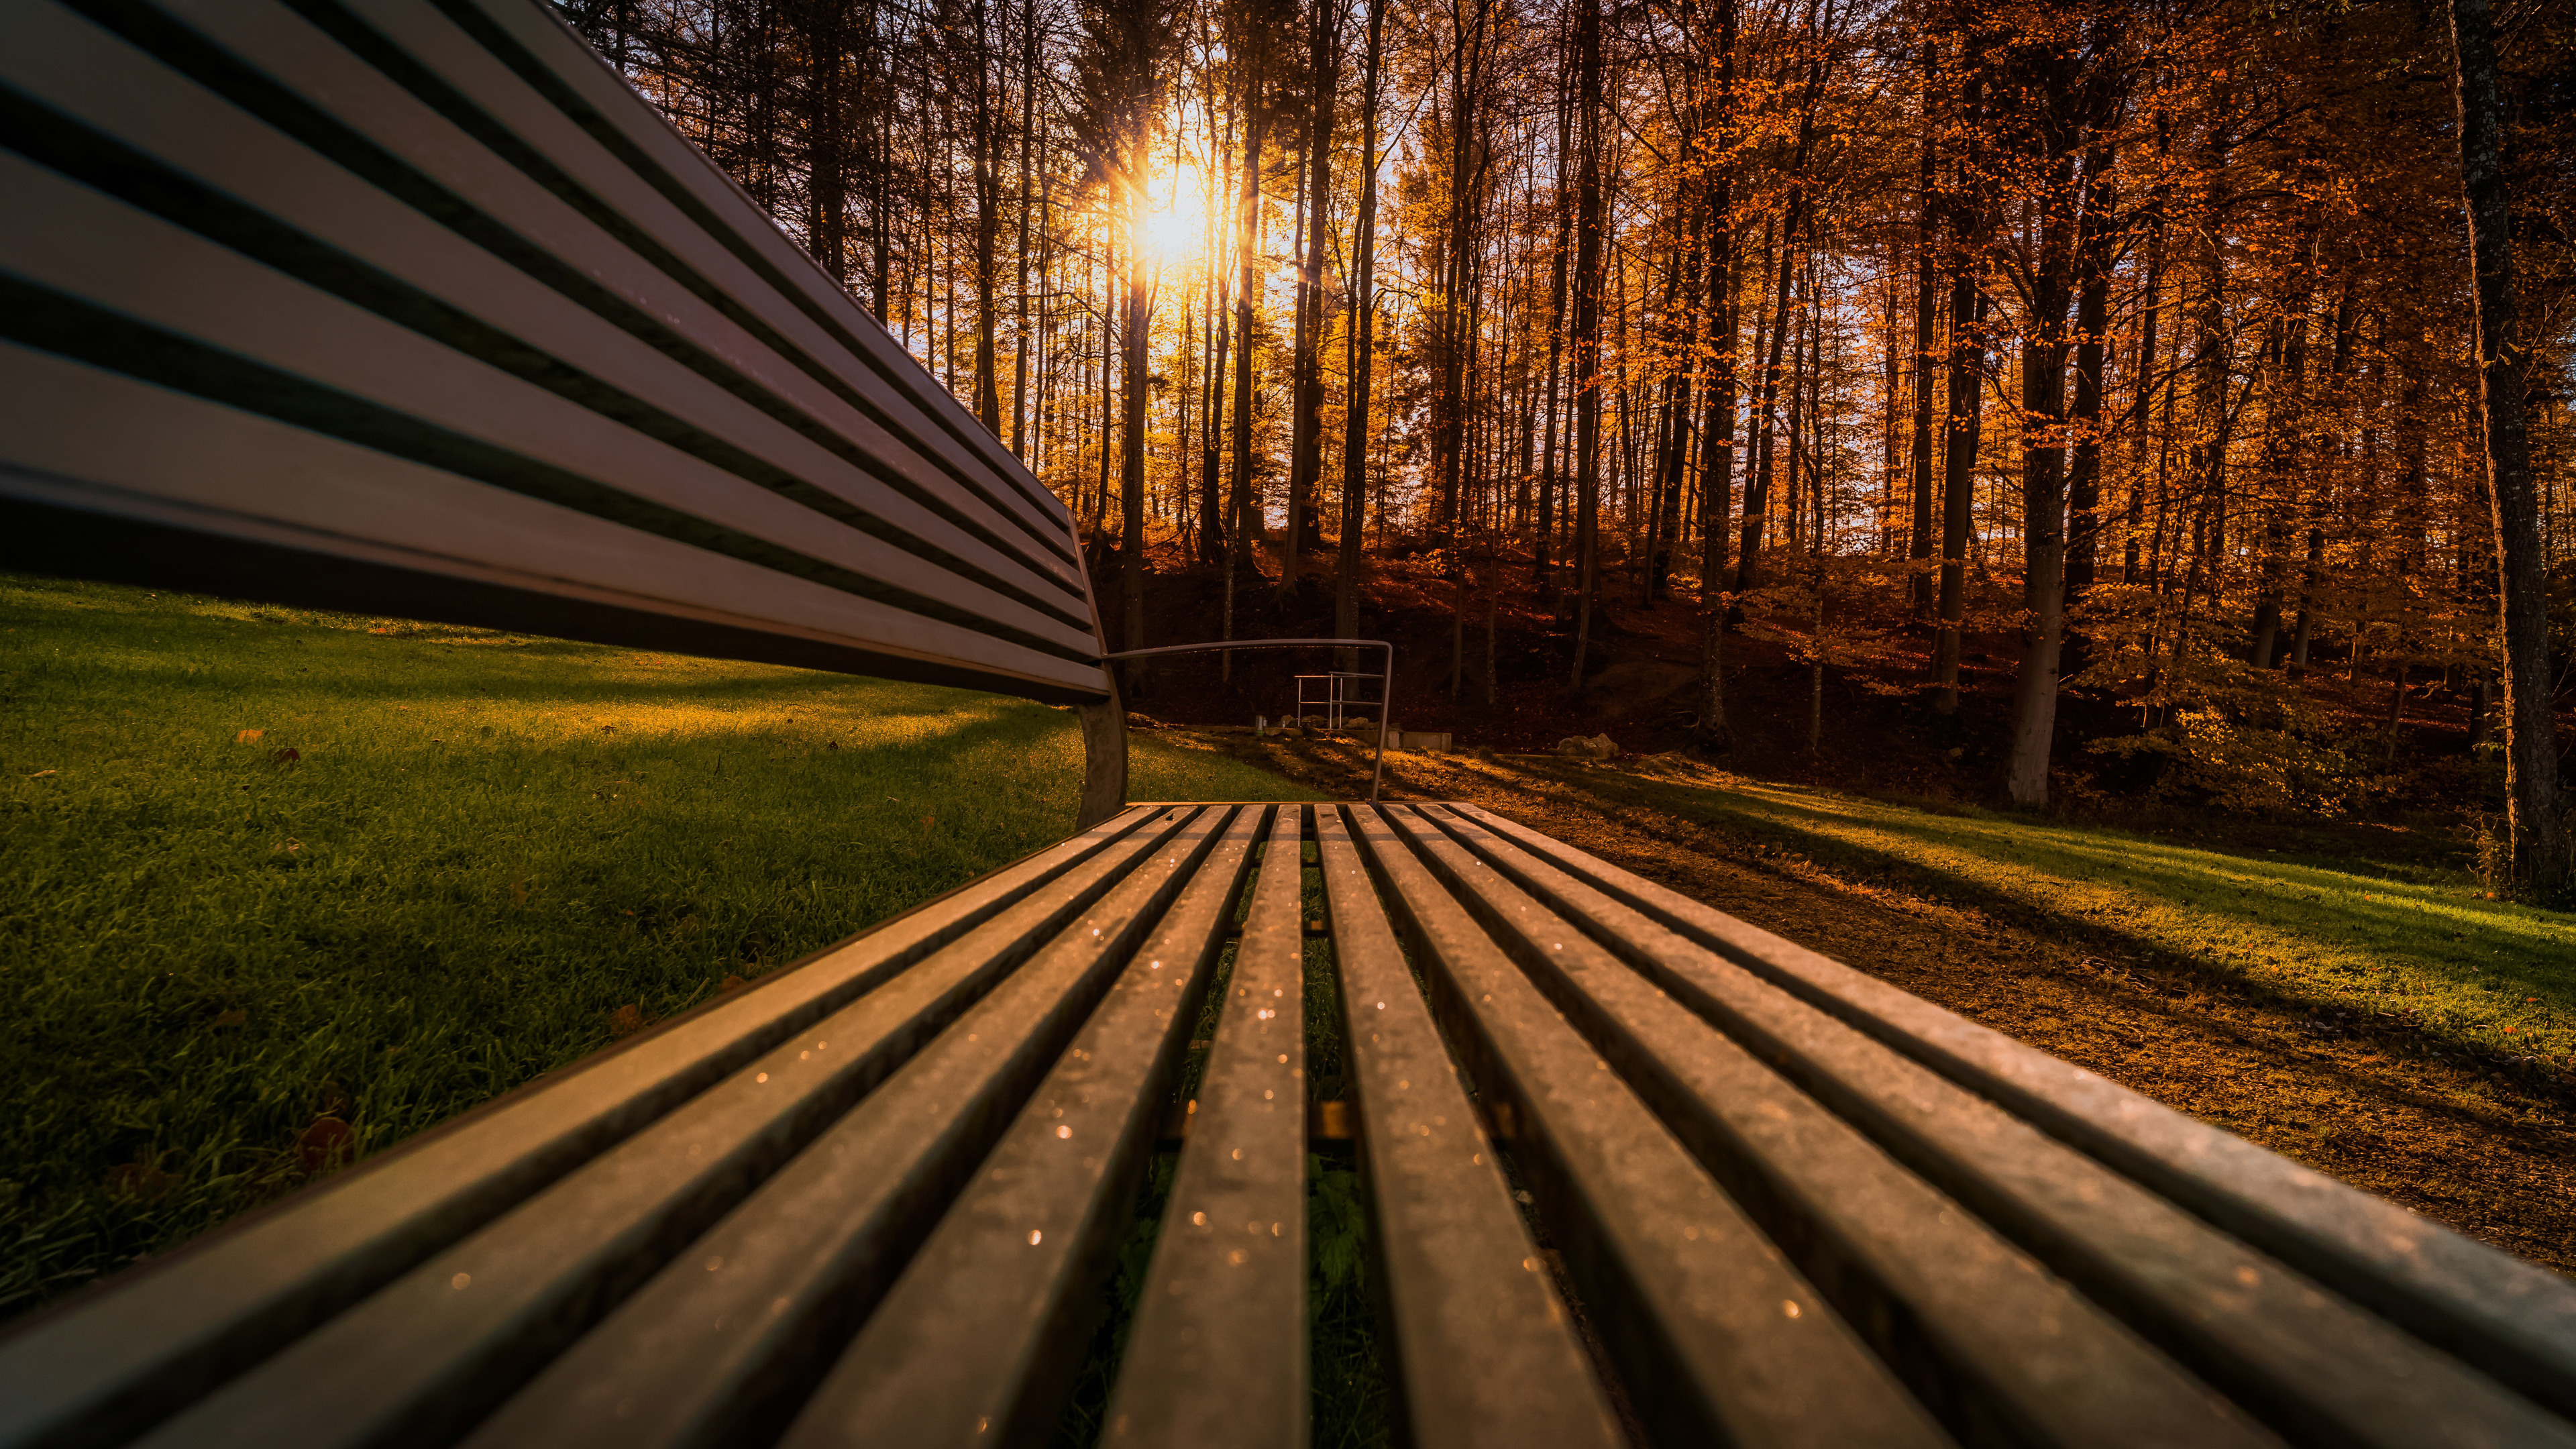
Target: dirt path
<point>2476,1150</point>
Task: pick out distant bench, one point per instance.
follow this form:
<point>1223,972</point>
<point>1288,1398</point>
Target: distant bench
<point>411,306</point>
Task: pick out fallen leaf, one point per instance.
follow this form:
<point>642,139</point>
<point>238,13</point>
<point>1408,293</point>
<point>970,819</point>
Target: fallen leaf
<point>226,1021</point>
<point>142,1180</point>
<point>287,756</point>
<point>40,774</point>
<point>625,1021</point>
<point>329,1142</point>
<point>246,736</point>
<point>831,744</point>
<point>731,983</point>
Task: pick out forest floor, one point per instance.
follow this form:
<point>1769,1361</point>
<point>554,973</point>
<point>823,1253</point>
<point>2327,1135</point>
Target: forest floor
<point>2362,1010</point>
<point>1492,664</point>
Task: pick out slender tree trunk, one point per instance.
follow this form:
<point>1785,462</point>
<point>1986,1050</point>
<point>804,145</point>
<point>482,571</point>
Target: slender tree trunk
<point>1959,444</point>
<point>1541,549</point>
<point>826,145</point>
<point>1306,458</point>
<point>1247,241</point>
<point>1717,473</point>
<point>1355,426</point>
<point>1757,488</point>
<point>2043,482</point>
<point>1137,376</point>
<point>2148,382</point>
<point>1028,135</point>
<point>2092,326</point>
<point>2538,831</point>
<point>988,223</point>
<point>1587,326</point>
<point>1216,536</point>
<point>1927,313</point>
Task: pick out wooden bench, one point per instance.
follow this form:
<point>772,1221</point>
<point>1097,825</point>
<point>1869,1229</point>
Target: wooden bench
<point>410,306</point>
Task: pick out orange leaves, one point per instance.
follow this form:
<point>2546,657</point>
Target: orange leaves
<point>625,1021</point>
<point>141,1180</point>
<point>328,1143</point>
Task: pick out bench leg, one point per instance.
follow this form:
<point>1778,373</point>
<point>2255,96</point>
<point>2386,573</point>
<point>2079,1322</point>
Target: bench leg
<point>1104,759</point>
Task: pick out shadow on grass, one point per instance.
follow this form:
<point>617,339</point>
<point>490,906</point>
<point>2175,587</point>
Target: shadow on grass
<point>2454,971</point>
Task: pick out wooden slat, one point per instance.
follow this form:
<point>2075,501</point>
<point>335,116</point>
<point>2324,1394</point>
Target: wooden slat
<point>1714,1333</point>
<point>526,569</point>
<point>704,1355</point>
<point>149,1342</point>
<point>2413,1271</point>
<point>1483,1352</point>
<point>472,258</point>
<point>536,441</point>
<point>622,150</point>
<point>1979,1329</point>
<point>977,1341</point>
<point>1218,1352</point>
<point>435,1348</point>
<point>591,308</point>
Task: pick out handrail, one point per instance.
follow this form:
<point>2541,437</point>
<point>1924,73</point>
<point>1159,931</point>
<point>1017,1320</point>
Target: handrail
<point>1386,680</point>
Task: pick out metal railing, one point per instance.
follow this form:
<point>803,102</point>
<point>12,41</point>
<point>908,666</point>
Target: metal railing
<point>1385,680</point>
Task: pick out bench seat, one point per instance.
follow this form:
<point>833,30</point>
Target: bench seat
<point>1631,1168</point>
<point>415,307</point>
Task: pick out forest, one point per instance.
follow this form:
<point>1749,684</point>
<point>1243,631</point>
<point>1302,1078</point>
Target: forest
<point>2212,355</point>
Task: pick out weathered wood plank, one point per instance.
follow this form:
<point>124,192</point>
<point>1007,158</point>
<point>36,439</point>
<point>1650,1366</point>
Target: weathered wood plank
<point>1714,1333</point>
<point>626,150</point>
<point>154,1340</point>
<point>339,368</point>
<point>1483,1351</point>
<point>976,1343</point>
<point>2509,1319</point>
<point>1218,1352</point>
<point>1981,1331</point>
<point>426,1355</point>
<point>537,267</point>
<point>442,235</point>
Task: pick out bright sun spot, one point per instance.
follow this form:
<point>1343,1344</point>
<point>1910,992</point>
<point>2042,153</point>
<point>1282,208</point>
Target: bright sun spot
<point>1177,216</point>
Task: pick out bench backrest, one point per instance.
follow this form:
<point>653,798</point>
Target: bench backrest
<point>413,306</point>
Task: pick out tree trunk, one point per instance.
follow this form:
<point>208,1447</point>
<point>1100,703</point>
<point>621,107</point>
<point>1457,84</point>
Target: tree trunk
<point>1306,457</point>
<point>1028,136</point>
<point>1247,242</point>
<point>2092,326</point>
<point>1927,317</point>
<point>1968,210</point>
<point>1355,426</point>
<point>1718,470</point>
<point>1587,325</point>
<point>2540,866</point>
<point>2043,495</point>
<point>1540,553</point>
<point>988,224</point>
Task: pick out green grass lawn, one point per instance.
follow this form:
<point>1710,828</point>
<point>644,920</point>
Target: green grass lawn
<point>2316,926</point>
<point>266,867</point>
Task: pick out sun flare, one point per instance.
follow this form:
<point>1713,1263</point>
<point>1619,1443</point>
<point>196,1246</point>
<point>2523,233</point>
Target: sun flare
<point>1172,228</point>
